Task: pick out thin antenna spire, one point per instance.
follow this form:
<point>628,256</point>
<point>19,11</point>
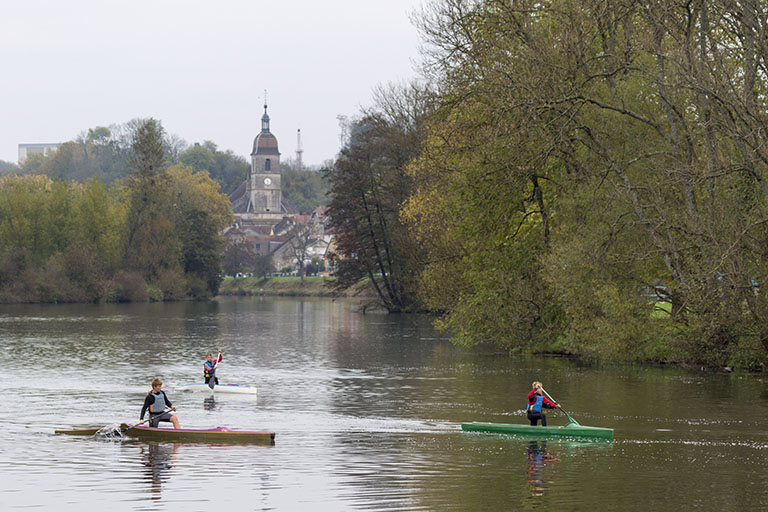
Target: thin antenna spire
<point>299,150</point>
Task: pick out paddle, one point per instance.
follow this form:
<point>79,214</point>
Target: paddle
<point>561,407</point>
<point>128,427</point>
<point>111,431</point>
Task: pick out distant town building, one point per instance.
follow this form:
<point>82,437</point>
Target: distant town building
<point>27,150</point>
<point>263,218</point>
<point>259,199</point>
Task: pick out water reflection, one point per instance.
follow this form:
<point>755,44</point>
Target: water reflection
<point>539,459</point>
<point>158,459</point>
<point>209,403</point>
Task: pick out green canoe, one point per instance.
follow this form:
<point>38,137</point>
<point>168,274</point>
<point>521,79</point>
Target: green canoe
<point>570,430</point>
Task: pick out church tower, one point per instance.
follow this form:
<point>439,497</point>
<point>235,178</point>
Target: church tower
<point>264,182</point>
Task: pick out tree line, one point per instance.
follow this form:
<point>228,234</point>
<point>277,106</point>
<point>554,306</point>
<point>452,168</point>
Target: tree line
<point>151,236</point>
<point>105,153</point>
<point>570,176</point>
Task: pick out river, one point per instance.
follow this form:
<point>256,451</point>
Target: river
<point>367,411</point>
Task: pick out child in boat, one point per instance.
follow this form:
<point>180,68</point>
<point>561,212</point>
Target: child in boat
<point>537,402</point>
<point>209,367</point>
<point>157,402</point>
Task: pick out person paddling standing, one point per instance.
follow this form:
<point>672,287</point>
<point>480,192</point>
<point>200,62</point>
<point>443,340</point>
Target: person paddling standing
<point>156,402</point>
<point>209,367</point>
<point>537,402</point>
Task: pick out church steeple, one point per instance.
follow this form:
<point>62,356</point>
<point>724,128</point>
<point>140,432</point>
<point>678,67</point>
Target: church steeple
<point>265,120</point>
<point>265,117</point>
<point>264,183</point>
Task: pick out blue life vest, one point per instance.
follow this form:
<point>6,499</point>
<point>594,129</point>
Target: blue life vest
<point>209,369</point>
<point>159,405</point>
<point>535,407</point>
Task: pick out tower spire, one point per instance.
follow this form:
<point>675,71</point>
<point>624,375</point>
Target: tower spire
<point>265,117</point>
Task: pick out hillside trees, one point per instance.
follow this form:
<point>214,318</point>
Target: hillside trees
<point>58,242</point>
<point>7,167</point>
<point>223,166</point>
<point>598,151</point>
<point>368,185</point>
<point>173,220</point>
<point>305,189</point>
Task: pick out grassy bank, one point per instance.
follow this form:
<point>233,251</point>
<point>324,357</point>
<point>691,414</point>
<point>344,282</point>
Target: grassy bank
<point>314,286</point>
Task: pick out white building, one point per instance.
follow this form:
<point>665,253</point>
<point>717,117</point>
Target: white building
<point>27,150</point>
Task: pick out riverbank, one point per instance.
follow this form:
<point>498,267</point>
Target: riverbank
<point>313,286</point>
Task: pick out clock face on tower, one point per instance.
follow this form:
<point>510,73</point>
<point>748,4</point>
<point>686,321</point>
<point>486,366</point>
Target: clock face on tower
<point>267,181</point>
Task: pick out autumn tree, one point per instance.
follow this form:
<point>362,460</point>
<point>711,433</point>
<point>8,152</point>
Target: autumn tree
<point>598,152</point>
<point>368,185</point>
<point>239,257</point>
<point>199,212</point>
<point>150,245</point>
<point>223,166</point>
<point>300,239</point>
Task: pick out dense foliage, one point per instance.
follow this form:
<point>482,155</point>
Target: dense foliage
<point>153,237</point>
<point>304,188</point>
<point>223,166</point>
<point>592,161</point>
<point>368,186</point>
<point>593,181</point>
<point>6,167</point>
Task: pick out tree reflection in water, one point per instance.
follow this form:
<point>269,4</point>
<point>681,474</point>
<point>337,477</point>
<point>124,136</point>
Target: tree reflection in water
<point>158,458</point>
<point>538,460</point>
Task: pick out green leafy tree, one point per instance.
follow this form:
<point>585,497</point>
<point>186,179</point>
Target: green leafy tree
<point>201,253</point>
<point>151,247</point>
<point>585,154</point>
<point>306,189</point>
<point>225,167</point>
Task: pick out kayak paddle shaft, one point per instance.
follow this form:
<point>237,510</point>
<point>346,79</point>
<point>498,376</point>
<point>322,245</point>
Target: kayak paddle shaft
<point>561,407</point>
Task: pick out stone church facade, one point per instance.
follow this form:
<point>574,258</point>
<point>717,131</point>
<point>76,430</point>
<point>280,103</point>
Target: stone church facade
<point>259,199</point>
<point>263,218</point>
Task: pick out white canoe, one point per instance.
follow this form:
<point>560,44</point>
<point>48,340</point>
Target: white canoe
<point>219,388</point>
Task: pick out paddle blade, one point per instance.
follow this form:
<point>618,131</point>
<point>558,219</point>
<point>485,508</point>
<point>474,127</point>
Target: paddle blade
<point>211,382</point>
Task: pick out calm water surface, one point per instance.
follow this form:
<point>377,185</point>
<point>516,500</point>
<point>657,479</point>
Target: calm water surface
<point>367,411</point>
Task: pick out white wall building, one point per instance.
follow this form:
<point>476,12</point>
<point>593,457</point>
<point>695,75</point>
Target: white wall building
<point>27,150</point>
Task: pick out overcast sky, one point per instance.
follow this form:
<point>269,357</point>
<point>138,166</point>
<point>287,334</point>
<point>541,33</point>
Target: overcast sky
<point>200,67</point>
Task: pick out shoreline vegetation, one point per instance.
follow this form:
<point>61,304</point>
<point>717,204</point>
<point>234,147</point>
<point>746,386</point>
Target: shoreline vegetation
<point>313,286</point>
<point>583,178</point>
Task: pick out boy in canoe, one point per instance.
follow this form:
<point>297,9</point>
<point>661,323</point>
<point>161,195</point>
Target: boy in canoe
<point>157,402</point>
<point>209,367</point>
<point>537,402</point>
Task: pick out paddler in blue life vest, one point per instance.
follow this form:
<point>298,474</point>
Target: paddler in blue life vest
<point>209,367</point>
<point>537,402</point>
<point>157,403</point>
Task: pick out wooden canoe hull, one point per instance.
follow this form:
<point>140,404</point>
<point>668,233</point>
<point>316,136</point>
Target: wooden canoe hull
<point>213,435</point>
<point>569,430</point>
<point>78,431</point>
<point>220,435</point>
